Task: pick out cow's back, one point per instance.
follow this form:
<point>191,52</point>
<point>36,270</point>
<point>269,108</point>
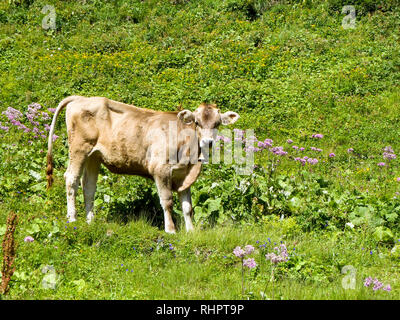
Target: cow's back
<point>122,136</point>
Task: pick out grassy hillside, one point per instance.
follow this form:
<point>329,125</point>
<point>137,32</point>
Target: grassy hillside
<point>290,70</point>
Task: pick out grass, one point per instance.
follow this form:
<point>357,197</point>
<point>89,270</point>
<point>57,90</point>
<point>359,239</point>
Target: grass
<point>135,260</point>
<point>95,262</point>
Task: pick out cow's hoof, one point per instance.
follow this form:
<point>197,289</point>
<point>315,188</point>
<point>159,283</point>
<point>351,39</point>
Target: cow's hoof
<point>170,231</point>
<point>89,218</point>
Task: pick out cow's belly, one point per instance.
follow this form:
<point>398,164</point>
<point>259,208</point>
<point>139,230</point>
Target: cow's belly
<point>131,170</point>
<point>122,161</point>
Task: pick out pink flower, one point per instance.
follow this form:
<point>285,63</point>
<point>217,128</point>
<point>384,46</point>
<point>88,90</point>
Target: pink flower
<point>268,142</point>
<point>389,156</point>
<point>377,285</point>
<point>367,282</point>
<point>239,252</point>
<point>387,288</point>
<point>279,151</point>
<point>281,256</point>
<point>250,263</point>
<point>5,128</point>
<point>249,249</point>
<point>317,136</point>
<point>12,113</point>
<point>29,239</point>
<point>312,161</point>
<point>388,149</point>
<point>45,116</point>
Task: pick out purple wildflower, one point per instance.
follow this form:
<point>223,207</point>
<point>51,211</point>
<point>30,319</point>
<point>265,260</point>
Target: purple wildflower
<point>312,161</point>
<point>238,134</point>
<point>29,239</point>
<point>12,114</point>
<point>278,151</point>
<point>250,263</point>
<point>4,128</point>
<point>45,116</point>
<point>280,256</point>
<point>331,155</point>
<point>381,164</point>
<point>367,282</point>
<point>289,141</point>
<point>239,252</point>
<point>389,156</point>
<point>249,249</point>
<point>317,136</point>
<point>388,149</point>
<point>268,142</point>
<point>377,284</point>
<point>349,150</point>
<point>387,288</point>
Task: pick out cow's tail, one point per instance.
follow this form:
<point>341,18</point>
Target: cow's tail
<point>49,168</point>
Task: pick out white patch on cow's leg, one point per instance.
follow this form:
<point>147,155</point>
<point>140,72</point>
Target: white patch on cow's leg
<point>186,202</point>
<point>167,205</point>
<point>89,182</point>
<point>166,200</point>
<point>72,183</point>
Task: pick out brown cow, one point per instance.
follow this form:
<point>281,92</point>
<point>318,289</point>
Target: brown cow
<point>135,141</point>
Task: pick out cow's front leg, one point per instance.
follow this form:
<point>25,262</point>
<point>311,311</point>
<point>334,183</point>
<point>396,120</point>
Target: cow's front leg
<point>166,200</point>
<point>185,198</point>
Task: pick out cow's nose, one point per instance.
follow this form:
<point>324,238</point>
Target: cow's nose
<point>206,142</point>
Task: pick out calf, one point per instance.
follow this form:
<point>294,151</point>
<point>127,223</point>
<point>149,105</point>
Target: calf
<point>163,146</point>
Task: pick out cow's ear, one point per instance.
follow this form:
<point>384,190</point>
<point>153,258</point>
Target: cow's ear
<point>186,116</point>
<point>229,117</point>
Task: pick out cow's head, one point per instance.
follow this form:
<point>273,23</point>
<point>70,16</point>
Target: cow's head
<point>207,117</point>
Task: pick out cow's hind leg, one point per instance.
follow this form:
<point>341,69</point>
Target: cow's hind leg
<point>72,175</point>
<point>166,200</point>
<point>186,201</point>
<point>89,181</point>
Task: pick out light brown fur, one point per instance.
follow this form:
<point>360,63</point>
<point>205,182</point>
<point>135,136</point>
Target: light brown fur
<point>130,140</point>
